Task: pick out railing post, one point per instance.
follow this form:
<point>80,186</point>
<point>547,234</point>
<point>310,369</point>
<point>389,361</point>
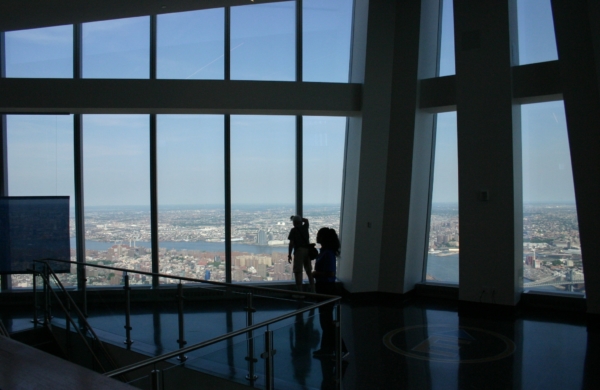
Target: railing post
<point>181,341</point>
<point>47,313</point>
<point>127,310</point>
<point>249,336</point>
<point>68,323</point>
<point>36,304</point>
<point>268,356</point>
<point>84,291</point>
<point>155,375</point>
<point>338,346</point>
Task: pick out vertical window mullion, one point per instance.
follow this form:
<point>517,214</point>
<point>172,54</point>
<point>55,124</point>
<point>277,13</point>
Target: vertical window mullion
<point>3,166</point>
<point>154,200</point>
<point>227,145</point>
<point>227,49</point>
<point>299,40</point>
<point>299,140</point>
<point>153,161</point>
<point>153,48</point>
<point>78,168</point>
<point>4,279</point>
<point>299,166</point>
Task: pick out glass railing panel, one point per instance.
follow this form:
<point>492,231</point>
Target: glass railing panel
<point>294,364</point>
<point>208,311</point>
<point>233,360</point>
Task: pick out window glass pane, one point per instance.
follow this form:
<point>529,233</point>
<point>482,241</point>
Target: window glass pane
<point>41,52</point>
<point>323,158</point>
<point>116,166</point>
<point>40,163</point>
<point>326,29</point>
<point>442,258</point>
<point>191,220</point>
<point>191,45</point>
<point>117,49</point>
<point>537,42</point>
<point>263,178</point>
<point>447,64</point>
<point>263,43</point>
<point>551,249</point>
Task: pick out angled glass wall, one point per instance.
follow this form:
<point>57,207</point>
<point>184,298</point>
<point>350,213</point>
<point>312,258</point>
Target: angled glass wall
<point>263,41</point>
<point>191,45</point>
<point>537,42</point>
<point>40,53</point>
<point>40,163</point>
<point>323,159</point>
<point>117,49</point>
<point>443,252</point>
<point>191,185</point>
<point>263,187</point>
<point>551,248</point>
<point>326,31</point>
<point>116,163</point>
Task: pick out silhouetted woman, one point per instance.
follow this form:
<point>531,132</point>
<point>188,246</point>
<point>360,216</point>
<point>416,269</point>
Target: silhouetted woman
<point>324,275</point>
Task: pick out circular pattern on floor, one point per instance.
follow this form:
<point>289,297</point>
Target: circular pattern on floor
<point>449,343</point>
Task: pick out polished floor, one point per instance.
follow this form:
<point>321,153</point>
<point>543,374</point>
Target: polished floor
<point>421,344</point>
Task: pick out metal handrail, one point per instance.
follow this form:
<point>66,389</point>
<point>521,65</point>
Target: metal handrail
<point>183,278</point>
<point>329,299</point>
<point>70,319</point>
<point>215,340</point>
<point>81,317</point>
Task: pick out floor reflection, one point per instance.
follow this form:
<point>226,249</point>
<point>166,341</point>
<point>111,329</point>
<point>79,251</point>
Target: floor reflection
<point>422,344</point>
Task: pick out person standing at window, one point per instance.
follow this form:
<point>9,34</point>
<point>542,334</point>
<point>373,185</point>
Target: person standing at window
<point>324,275</point>
<point>299,242</point>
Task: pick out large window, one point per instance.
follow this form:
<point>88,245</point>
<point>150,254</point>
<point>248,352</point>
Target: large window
<point>443,253</point>
<point>117,49</point>
<point>191,149</point>
<point>263,42</point>
<point>191,223</point>
<point>191,44</point>
<point>117,195</point>
<point>327,26</point>
<point>263,185</point>
<point>323,158</point>
<point>41,52</point>
<point>40,163</point>
<point>537,42</point>
<point>551,248</point>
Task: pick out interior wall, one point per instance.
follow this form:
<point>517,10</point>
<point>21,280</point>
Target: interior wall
<point>490,194</point>
<point>389,157</point>
<point>366,157</point>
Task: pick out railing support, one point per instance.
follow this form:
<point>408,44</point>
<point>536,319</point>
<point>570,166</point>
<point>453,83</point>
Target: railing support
<point>268,356</point>
<point>84,293</point>
<point>249,336</point>
<point>47,313</point>
<point>338,346</point>
<point>127,310</point>
<point>155,374</point>
<point>181,341</point>
<point>36,304</point>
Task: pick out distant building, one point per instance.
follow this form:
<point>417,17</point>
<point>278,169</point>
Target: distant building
<point>261,237</point>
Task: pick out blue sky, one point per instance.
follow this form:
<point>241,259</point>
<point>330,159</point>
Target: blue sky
<point>190,46</point>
